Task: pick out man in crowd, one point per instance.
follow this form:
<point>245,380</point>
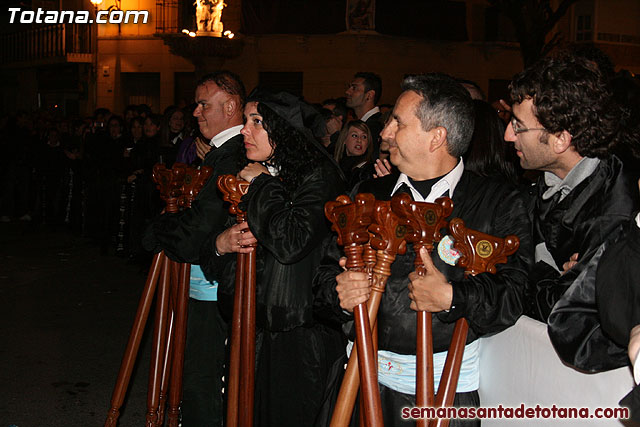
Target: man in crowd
<point>564,123</point>
<point>428,131</point>
<point>220,97</point>
<point>363,95</point>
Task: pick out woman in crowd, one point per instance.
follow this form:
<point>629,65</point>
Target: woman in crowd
<point>354,152</point>
<point>292,177</point>
<point>171,134</point>
<point>488,153</point>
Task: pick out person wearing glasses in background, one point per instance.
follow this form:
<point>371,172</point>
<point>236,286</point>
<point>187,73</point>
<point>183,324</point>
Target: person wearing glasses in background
<point>565,124</point>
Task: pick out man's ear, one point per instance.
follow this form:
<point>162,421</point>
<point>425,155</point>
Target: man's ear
<point>230,106</point>
<point>370,95</point>
<point>438,138</point>
<point>560,142</point>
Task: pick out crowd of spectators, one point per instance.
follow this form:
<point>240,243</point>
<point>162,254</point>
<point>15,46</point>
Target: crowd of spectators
<point>92,175</point>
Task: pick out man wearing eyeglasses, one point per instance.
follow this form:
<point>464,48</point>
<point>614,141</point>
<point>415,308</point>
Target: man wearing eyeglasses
<point>563,123</point>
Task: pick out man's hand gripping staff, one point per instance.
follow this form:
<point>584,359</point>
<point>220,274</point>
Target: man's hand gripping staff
<point>350,221</point>
<point>424,220</point>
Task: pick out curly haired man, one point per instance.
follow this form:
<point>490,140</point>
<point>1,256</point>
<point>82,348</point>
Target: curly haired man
<point>565,124</point>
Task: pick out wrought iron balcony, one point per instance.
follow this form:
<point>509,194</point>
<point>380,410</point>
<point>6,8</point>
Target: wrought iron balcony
<point>57,43</point>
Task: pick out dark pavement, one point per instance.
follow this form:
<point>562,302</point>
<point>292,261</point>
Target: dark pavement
<point>65,316</point>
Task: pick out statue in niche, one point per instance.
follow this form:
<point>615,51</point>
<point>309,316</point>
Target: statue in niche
<point>216,22</point>
<point>209,15</point>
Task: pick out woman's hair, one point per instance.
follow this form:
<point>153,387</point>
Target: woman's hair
<point>165,129</point>
<point>489,154</point>
<point>341,145</point>
<point>293,155</point>
<point>156,119</point>
<point>120,121</point>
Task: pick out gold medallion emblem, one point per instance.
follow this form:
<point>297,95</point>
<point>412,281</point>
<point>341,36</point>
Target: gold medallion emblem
<point>484,248</point>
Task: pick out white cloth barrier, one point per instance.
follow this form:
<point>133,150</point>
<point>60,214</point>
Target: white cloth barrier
<point>520,366</point>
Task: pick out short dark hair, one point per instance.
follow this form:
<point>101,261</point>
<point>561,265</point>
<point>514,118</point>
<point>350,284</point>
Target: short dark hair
<point>446,103</point>
<point>569,93</point>
<point>228,81</point>
<point>339,108</point>
<point>373,82</point>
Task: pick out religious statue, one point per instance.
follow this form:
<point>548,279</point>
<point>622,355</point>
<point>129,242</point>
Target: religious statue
<point>209,15</point>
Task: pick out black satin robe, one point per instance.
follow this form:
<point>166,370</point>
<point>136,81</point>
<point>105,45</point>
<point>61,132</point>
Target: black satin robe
<point>591,217</point>
<point>618,297</point>
<point>294,351</point>
<point>181,234</point>
<point>490,302</point>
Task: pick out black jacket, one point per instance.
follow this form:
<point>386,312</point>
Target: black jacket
<point>490,302</point>
<point>181,234</point>
<point>290,229</point>
<point>591,217</point>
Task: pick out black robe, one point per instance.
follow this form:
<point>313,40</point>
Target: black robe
<point>618,297</point>
<point>181,234</point>
<point>489,302</point>
<point>294,352</point>
<point>586,221</point>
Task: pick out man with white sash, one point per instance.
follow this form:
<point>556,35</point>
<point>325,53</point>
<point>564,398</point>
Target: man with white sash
<point>429,130</point>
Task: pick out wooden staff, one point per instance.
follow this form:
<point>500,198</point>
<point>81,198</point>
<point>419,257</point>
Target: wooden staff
<point>350,221</point>
<point>425,221</point>
<point>387,240</point>
<point>171,184</point>
<point>243,323</point>
<point>480,252</point>
<point>194,180</point>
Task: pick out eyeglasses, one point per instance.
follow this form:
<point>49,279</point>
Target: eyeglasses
<point>518,129</point>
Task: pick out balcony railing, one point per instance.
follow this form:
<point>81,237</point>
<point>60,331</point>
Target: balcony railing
<point>66,42</point>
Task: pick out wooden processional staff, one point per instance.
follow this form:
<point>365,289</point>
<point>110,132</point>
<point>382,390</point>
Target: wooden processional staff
<point>425,220</point>
<point>178,187</point>
<point>242,357</point>
<point>393,224</point>
<point>386,240</point>
<point>350,221</point>
<point>480,252</point>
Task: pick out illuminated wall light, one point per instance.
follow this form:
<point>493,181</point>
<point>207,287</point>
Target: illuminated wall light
<point>226,33</point>
<point>192,34</point>
<point>185,31</point>
<point>231,35</point>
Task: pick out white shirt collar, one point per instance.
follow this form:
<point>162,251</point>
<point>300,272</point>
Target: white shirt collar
<point>447,182</point>
<point>370,113</point>
<point>225,135</point>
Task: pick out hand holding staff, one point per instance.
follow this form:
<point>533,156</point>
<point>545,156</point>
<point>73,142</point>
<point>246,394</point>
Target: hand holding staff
<point>243,324</point>
<point>425,221</point>
<point>350,221</point>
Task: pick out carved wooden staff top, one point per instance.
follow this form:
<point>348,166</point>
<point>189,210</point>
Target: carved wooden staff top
<point>233,189</point>
<point>424,220</point>
<point>169,183</point>
<point>388,239</point>
<point>480,252</point>
<point>350,221</point>
<point>194,180</point>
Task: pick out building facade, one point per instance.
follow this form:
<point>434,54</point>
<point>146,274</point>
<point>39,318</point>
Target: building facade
<point>307,47</point>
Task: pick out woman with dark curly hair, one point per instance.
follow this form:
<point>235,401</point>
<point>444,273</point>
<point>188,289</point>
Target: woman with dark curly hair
<point>292,177</point>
